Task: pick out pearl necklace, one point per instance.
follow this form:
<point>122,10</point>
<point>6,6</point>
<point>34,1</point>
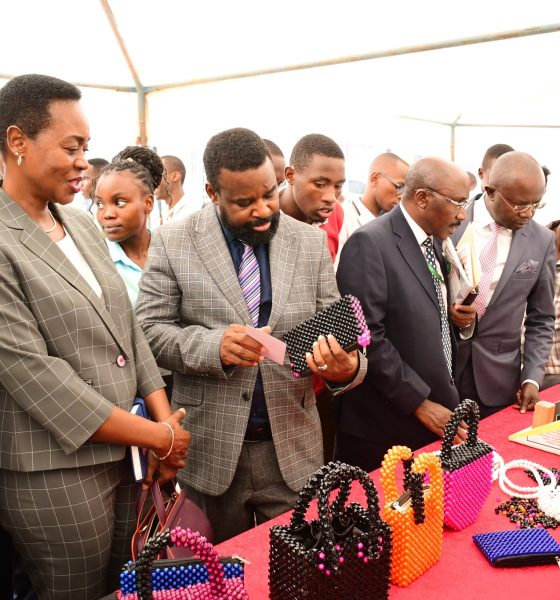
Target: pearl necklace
<point>54,223</point>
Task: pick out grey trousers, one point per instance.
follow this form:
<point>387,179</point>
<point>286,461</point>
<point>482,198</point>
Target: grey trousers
<point>72,527</point>
<point>257,493</point>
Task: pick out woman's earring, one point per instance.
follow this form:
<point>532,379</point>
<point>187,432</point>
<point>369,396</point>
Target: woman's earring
<point>19,159</point>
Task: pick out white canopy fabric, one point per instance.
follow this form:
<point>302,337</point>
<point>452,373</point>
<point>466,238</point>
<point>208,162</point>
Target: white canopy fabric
<point>508,82</point>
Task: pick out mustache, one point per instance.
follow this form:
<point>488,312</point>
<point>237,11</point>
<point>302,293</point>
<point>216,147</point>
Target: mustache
<point>259,222</point>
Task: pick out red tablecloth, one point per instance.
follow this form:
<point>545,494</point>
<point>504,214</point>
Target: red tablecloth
<point>462,571</point>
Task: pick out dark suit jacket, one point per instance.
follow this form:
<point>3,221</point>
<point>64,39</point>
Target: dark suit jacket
<point>383,265</point>
<point>525,293</point>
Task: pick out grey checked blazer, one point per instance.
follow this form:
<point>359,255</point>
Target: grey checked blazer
<point>189,295</point>
<point>525,293</point>
<point>59,344</point>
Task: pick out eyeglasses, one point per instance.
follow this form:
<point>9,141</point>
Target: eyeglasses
<point>521,208</point>
<point>463,204</point>
<point>399,187</point>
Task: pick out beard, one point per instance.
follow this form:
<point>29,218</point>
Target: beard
<point>246,234</point>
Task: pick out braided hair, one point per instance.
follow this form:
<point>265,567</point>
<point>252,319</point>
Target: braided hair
<point>142,162</point>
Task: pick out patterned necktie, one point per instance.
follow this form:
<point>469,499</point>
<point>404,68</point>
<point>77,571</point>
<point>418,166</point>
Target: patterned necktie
<point>488,258</point>
<point>250,282</point>
<point>445,335</point>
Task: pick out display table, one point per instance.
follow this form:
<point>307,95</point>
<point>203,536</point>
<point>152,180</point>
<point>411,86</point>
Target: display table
<point>462,571</point>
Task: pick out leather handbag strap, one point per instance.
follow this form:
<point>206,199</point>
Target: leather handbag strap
<point>468,412</point>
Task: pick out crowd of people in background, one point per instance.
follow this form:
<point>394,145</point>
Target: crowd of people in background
<point>115,284</point>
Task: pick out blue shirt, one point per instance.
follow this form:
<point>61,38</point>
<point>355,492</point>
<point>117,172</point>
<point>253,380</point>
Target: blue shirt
<point>258,417</point>
<point>128,269</point>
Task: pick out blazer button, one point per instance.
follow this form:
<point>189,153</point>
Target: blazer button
<point>245,396</point>
<point>121,360</point>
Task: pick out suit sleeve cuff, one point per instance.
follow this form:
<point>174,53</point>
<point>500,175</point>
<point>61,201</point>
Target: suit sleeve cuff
<point>531,381</point>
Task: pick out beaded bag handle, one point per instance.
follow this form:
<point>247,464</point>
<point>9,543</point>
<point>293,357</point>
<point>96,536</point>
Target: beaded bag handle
<point>469,412</point>
<point>311,489</point>
<point>187,539</point>
<point>413,482</point>
<point>343,476</point>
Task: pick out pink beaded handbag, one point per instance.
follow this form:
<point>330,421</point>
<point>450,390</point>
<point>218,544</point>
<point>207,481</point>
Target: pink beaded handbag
<point>207,578</point>
<point>467,469</point>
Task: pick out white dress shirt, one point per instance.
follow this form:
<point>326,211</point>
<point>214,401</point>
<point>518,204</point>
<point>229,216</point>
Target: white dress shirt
<point>356,214</point>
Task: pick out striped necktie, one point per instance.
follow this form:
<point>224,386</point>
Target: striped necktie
<point>250,282</point>
<point>444,321</point>
<point>488,257</point>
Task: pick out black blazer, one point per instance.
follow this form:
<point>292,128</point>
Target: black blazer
<point>383,265</point>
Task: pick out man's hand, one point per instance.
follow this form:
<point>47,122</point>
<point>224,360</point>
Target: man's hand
<point>463,316</point>
<point>331,362</point>
<point>239,349</point>
<point>434,416</point>
<point>527,397</point>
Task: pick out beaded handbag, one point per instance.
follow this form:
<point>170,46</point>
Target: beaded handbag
<point>207,578</point>
<point>342,555</point>
<point>467,469</point>
<point>415,516</point>
<point>344,319</point>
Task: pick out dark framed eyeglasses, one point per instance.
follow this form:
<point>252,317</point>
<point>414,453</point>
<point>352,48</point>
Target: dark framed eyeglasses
<point>399,187</point>
<point>464,204</point>
<point>520,208</point>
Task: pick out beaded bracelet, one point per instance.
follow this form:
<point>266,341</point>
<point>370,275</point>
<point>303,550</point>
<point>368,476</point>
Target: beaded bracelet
<point>172,442</point>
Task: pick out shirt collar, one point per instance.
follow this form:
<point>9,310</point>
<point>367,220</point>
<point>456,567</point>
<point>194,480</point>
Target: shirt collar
<point>118,255</point>
<point>481,216</point>
<point>417,231</point>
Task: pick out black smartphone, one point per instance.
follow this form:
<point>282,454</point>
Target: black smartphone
<point>470,298</point>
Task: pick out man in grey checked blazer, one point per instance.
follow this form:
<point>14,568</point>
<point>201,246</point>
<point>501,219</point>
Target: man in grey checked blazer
<point>193,311</point>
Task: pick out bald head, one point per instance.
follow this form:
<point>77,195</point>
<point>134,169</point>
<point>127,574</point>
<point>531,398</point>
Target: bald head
<point>517,169</point>
<point>515,189</point>
<point>435,190</point>
<point>385,181</point>
<point>434,173</point>
<point>385,161</point>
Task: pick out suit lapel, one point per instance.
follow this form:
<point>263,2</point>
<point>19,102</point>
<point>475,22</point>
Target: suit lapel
<point>516,250</point>
<point>47,250</point>
<point>213,250</point>
<point>409,248</point>
<point>282,253</point>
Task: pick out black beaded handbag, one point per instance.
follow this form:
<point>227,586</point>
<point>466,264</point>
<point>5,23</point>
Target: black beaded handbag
<point>344,554</point>
<point>467,469</point>
<point>344,319</point>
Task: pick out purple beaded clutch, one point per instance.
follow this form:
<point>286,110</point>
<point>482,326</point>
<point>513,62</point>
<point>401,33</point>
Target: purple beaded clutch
<point>344,319</point>
<point>518,547</point>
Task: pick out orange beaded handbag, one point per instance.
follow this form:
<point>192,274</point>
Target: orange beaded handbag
<point>415,516</point>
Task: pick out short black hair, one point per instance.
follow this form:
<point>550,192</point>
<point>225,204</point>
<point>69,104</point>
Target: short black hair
<point>273,148</point>
<point>237,149</point>
<point>495,152</point>
<point>97,163</point>
<point>309,145</point>
<point>142,162</point>
<point>25,102</point>
<point>546,172</point>
<point>176,165</point>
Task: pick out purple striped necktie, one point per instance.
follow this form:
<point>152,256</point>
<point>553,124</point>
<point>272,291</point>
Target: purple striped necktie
<point>250,282</point>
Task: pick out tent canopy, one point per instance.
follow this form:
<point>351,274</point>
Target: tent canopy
<point>358,102</point>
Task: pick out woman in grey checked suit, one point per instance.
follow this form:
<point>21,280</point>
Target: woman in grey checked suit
<point>72,358</point>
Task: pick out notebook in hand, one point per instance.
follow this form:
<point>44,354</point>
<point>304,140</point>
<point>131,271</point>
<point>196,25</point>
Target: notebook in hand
<point>139,456</point>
